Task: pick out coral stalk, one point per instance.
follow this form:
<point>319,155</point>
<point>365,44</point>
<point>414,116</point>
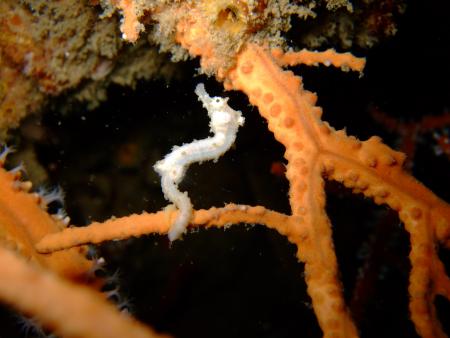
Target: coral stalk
<point>315,150</point>
<point>70,310</point>
<point>160,222</point>
<point>295,121</point>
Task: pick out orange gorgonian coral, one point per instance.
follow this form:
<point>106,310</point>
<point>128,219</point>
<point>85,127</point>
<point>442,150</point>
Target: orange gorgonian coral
<point>315,152</point>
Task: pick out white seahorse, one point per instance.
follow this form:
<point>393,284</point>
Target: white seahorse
<point>224,123</point>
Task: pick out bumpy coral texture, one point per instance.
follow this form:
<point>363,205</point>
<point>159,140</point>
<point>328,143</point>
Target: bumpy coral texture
<point>226,36</point>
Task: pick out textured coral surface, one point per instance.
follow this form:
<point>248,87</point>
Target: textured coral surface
<point>246,281</point>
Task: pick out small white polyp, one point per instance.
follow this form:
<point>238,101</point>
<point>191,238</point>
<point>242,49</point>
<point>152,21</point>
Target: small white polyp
<point>224,123</point>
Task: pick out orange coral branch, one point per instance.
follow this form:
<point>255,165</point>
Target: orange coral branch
<point>68,309</point>
<point>295,122</point>
<point>220,35</point>
<point>314,149</point>
<point>329,57</point>
<point>160,222</point>
<point>130,25</point>
<point>21,228</point>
